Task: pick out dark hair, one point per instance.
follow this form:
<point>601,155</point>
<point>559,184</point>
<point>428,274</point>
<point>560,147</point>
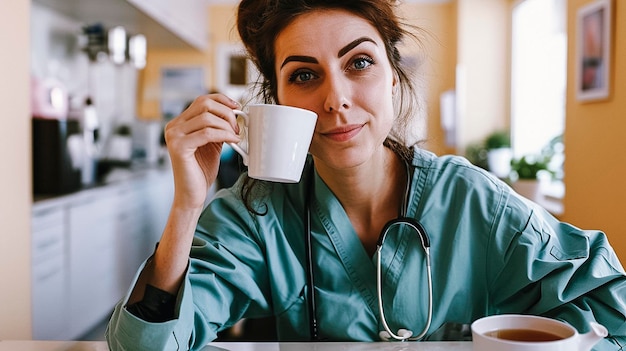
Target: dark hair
<point>260,21</point>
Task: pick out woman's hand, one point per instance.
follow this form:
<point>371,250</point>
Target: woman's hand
<point>194,141</point>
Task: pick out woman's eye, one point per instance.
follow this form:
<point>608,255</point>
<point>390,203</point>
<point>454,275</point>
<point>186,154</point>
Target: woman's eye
<point>301,77</point>
<point>362,63</point>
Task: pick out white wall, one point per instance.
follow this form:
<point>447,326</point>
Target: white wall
<point>15,174</point>
<point>56,52</point>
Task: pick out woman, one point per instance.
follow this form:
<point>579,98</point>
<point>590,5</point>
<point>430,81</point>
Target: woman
<point>246,254</point>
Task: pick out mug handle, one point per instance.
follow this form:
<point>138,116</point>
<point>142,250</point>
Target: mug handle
<point>243,132</point>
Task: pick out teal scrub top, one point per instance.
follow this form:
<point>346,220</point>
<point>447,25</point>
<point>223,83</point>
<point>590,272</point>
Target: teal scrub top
<point>492,252</point>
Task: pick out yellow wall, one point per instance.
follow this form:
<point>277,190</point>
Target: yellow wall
<point>148,105</point>
<point>483,92</point>
<point>595,161</point>
<point>438,20</point>
<point>15,177</point>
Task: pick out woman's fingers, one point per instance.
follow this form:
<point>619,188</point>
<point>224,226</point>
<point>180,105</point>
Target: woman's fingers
<point>216,104</point>
<point>197,138</point>
<point>199,131</point>
<point>207,119</point>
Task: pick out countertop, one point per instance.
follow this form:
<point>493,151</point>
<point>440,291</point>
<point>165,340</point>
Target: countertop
<point>27,345</point>
<point>116,176</point>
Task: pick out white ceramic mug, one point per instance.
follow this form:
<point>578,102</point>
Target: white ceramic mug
<point>514,332</point>
<point>275,141</point>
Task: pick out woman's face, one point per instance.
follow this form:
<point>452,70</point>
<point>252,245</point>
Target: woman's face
<point>335,64</point>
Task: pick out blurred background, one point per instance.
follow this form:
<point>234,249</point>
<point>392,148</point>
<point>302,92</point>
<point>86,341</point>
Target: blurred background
<point>89,84</point>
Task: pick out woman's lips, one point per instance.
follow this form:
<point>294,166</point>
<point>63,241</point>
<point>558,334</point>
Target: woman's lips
<point>344,133</point>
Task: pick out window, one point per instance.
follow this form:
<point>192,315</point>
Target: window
<point>538,78</point>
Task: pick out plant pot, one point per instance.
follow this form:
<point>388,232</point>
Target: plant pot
<point>499,162</point>
<point>528,188</point>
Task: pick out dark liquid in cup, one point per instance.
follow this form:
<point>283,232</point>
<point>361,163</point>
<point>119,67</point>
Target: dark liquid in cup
<point>523,335</point>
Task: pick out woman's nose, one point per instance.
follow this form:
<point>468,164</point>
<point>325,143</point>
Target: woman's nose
<point>337,95</point>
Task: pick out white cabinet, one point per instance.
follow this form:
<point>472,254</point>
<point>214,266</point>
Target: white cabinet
<point>134,238</point>
<point>87,248</point>
<point>49,275</point>
<point>93,264</point>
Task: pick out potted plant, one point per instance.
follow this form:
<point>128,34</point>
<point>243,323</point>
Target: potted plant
<point>476,153</point>
<point>499,154</point>
<point>526,172</point>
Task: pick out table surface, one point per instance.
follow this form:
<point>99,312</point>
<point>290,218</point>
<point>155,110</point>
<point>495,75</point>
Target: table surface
<point>27,345</point>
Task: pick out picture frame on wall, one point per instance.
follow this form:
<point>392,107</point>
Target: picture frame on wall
<point>593,51</point>
<point>235,72</point>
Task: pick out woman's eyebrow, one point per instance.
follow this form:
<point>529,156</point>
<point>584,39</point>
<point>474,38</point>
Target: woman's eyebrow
<point>307,59</point>
<point>353,44</point>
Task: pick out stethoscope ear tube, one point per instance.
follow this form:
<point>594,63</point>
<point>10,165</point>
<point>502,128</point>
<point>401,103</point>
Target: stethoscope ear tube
<point>403,334</point>
<point>411,222</point>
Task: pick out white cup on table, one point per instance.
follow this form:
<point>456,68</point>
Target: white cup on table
<point>515,332</point>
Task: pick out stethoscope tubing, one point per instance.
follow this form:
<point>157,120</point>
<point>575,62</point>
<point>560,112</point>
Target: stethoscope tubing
<point>406,334</point>
<point>313,329</point>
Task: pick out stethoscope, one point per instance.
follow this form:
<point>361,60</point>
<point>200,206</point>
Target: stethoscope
<point>402,220</point>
